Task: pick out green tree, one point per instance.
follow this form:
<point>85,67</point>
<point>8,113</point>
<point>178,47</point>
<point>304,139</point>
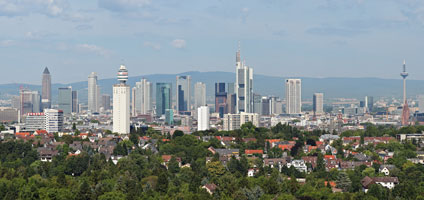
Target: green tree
<point>114,195</point>
<point>343,182</point>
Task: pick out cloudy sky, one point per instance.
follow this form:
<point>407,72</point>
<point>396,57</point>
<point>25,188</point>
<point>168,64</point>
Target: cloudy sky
<point>298,38</point>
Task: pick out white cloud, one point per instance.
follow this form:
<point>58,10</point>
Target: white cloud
<point>94,49</point>
<point>152,45</point>
<point>122,5</point>
<point>52,8</point>
<point>179,43</point>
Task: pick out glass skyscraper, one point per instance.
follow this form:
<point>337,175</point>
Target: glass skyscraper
<point>163,98</point>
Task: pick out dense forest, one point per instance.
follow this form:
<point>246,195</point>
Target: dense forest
<point>143,174</point>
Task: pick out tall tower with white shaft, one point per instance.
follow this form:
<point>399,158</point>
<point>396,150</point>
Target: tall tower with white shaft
<point>405,110</point>
<point>121,103</point>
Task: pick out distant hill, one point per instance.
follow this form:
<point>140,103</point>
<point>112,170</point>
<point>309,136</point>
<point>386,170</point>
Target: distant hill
<point>264,85</point>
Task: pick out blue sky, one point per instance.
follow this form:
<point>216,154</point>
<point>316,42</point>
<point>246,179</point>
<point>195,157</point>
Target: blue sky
<point>296,38</point>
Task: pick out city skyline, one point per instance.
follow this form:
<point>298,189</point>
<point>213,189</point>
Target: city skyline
<point>98,35</point>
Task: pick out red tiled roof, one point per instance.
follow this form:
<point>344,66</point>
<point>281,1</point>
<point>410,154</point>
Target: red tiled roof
<point>248,151</point>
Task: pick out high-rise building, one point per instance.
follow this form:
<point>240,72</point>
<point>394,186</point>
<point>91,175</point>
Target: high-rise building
<point>230,88</point>
<point>235,121</point>
<point>65,100</point>
<point>121,103</point>
<point>220,99</point>
<point>405,110</point>
<point>93,90</point>
<point>244,86</point>
<point>273,105</point>
<point>183,94</point>
<point>203,118</point>
<point>163,98</point>
<point>231,103</point>
<point>169,116</point>
<point>75,102</point>
<point>421,103</point>
<point>199,94</point>
<point>46,85</point>
<point>106,101</point>
<point>142,97</point>
<point>318,103</point>
<point>30,101</point>
<point>54,120</point>
<point>293,96</point>
<point>257,103</point>
<point>369,103</point>
<point>265,106</point>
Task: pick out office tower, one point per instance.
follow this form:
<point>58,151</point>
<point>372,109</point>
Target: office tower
<point>75,102</point>
<point>169,116</point>
<point>142,97</point>
<point>106,101</point>
<point>35,121</point>
<point>93,90</point>
<point>369,103</point>
<point>231,103</point>
<point>220,99</point>
<point>203,118</point>
<point>405,110</point>
<point>279,107</point>
<point>65,100</point>
<point>235,121</point>
<point>265,106</point>
<point>421,103</point>
<point>8,114</point>
<point>272,105</point>
<point>199,94</point>
<point>230,88</point>
<point>121,103</point>
<point>362,104</point>
<point>293,96</point>
<point>163,98</point>
<point>257,104</point>
<point>318,103</point>
<point>183,93</point>
<point>54,120</point>
<point>46,85</point>
<point>244,86</point>
<point>98,98</point>
<point>30,101</point>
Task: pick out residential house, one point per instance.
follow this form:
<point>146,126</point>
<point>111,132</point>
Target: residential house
<point>385,169</point>
<point>387,182</point>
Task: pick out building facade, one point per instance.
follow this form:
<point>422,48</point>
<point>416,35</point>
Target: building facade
<point>183,94</point>
<point>243,86</point>
<point>163,98</point>
<point>199,94</point>
<point>121,103</point>
<point>46,85</point>
<point>203,118</point>
<point>54,120</point>
<point>93,93</point>
<point>293,96</point>
<point>318,103</point>
<point>220,99</point>
<point>235,121</point>
<point>142,97</point>
<point>65,101</point>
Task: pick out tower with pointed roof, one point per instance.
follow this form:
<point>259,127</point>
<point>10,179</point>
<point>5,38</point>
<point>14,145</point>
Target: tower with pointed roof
<point>243,86</point>
<point>46,85</point>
